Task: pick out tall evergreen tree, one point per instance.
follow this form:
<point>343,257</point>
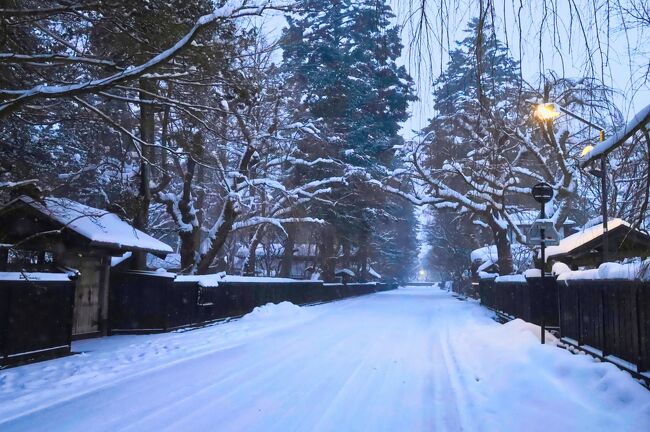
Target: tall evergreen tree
<point>475,97</point>
<point>340,58</point>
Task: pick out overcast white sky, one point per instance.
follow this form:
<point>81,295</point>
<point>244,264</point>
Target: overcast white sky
<point>620,62</point>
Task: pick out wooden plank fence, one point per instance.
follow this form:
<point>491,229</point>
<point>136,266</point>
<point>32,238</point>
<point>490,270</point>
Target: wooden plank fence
<point>607,317</point>
<point>527,300</point>
<point>35,319</point>
<point>144,302</point>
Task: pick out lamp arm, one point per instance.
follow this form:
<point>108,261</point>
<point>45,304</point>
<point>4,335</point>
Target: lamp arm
<point>580,118</point>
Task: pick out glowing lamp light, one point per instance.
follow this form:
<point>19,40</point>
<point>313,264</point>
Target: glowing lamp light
<point>422,272</point>
<point>546,112</point>
<point>586,150</point>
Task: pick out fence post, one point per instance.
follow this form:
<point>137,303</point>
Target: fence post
<point>166,304</point>
<point>5,327</point>
<point>579,304</point>
<point>559,308</point>
<point>602,318</point>
<point>71,285</point>
<point>639,338</point>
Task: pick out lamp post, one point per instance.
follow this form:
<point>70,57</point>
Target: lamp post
<point>543,193</point>
<point>551,111</point>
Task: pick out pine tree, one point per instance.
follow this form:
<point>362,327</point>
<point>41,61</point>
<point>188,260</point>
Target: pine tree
<point>478,92</point>
<point>340,57</point>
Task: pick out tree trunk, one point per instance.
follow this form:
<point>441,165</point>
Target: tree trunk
<point>248,268</point>
<point>227,218</point>
<point>286,264</point>
<point>223,228</point>
<point>147,134</point>
<point>503,250</point>
<point>190,237</point>
<point>345,247</point>
<point>363,256</point>
<point>328,261</point>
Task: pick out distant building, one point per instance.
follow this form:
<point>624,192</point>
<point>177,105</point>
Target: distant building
<point>269,258</point>
<point>524,219</point>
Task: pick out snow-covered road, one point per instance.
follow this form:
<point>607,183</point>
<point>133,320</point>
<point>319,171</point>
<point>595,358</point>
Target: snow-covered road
<point>415,359</point>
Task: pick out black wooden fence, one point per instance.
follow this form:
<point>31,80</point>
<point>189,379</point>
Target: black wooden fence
<point>149,302</point>
<point>610,316</point>
<point>526,299</point>
<point>607,317</point>
<point>35,319</point>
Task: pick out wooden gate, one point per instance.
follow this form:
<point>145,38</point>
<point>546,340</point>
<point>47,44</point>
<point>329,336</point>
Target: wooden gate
<point>86,301</point>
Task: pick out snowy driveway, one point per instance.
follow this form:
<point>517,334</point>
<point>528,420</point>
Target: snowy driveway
<point>415,359</point>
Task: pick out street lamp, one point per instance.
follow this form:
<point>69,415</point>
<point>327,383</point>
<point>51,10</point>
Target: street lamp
<point>547,112</point>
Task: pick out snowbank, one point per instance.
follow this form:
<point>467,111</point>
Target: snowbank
<point>109,360</point>
<point>271,311</point>
<point>518,384</point>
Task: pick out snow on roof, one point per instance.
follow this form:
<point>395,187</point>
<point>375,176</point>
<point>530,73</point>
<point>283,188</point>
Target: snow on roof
<point>101,227</point>
<point>618,138</point>
<point>374,273</point>
<point>580,238</point>
<point>485,254</point>
<point>344,271</point>
<point>115,261</point>
<point>20,276</point>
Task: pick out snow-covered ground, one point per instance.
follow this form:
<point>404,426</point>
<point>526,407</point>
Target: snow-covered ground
<point>415,359</point>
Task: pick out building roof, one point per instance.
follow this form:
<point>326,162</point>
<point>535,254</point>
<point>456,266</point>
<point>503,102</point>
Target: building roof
<point>585,247</point>
<point>100,228</point>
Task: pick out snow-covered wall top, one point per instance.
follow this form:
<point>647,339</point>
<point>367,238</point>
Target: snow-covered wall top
<point>101,227</point>
<point>511,278</point>
<point>36,277</point>
<point>630,271</point>
<point>213,280</point>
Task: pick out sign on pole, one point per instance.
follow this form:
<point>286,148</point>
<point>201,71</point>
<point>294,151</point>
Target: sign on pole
<point>551,236</point>
<point>542,192</point>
